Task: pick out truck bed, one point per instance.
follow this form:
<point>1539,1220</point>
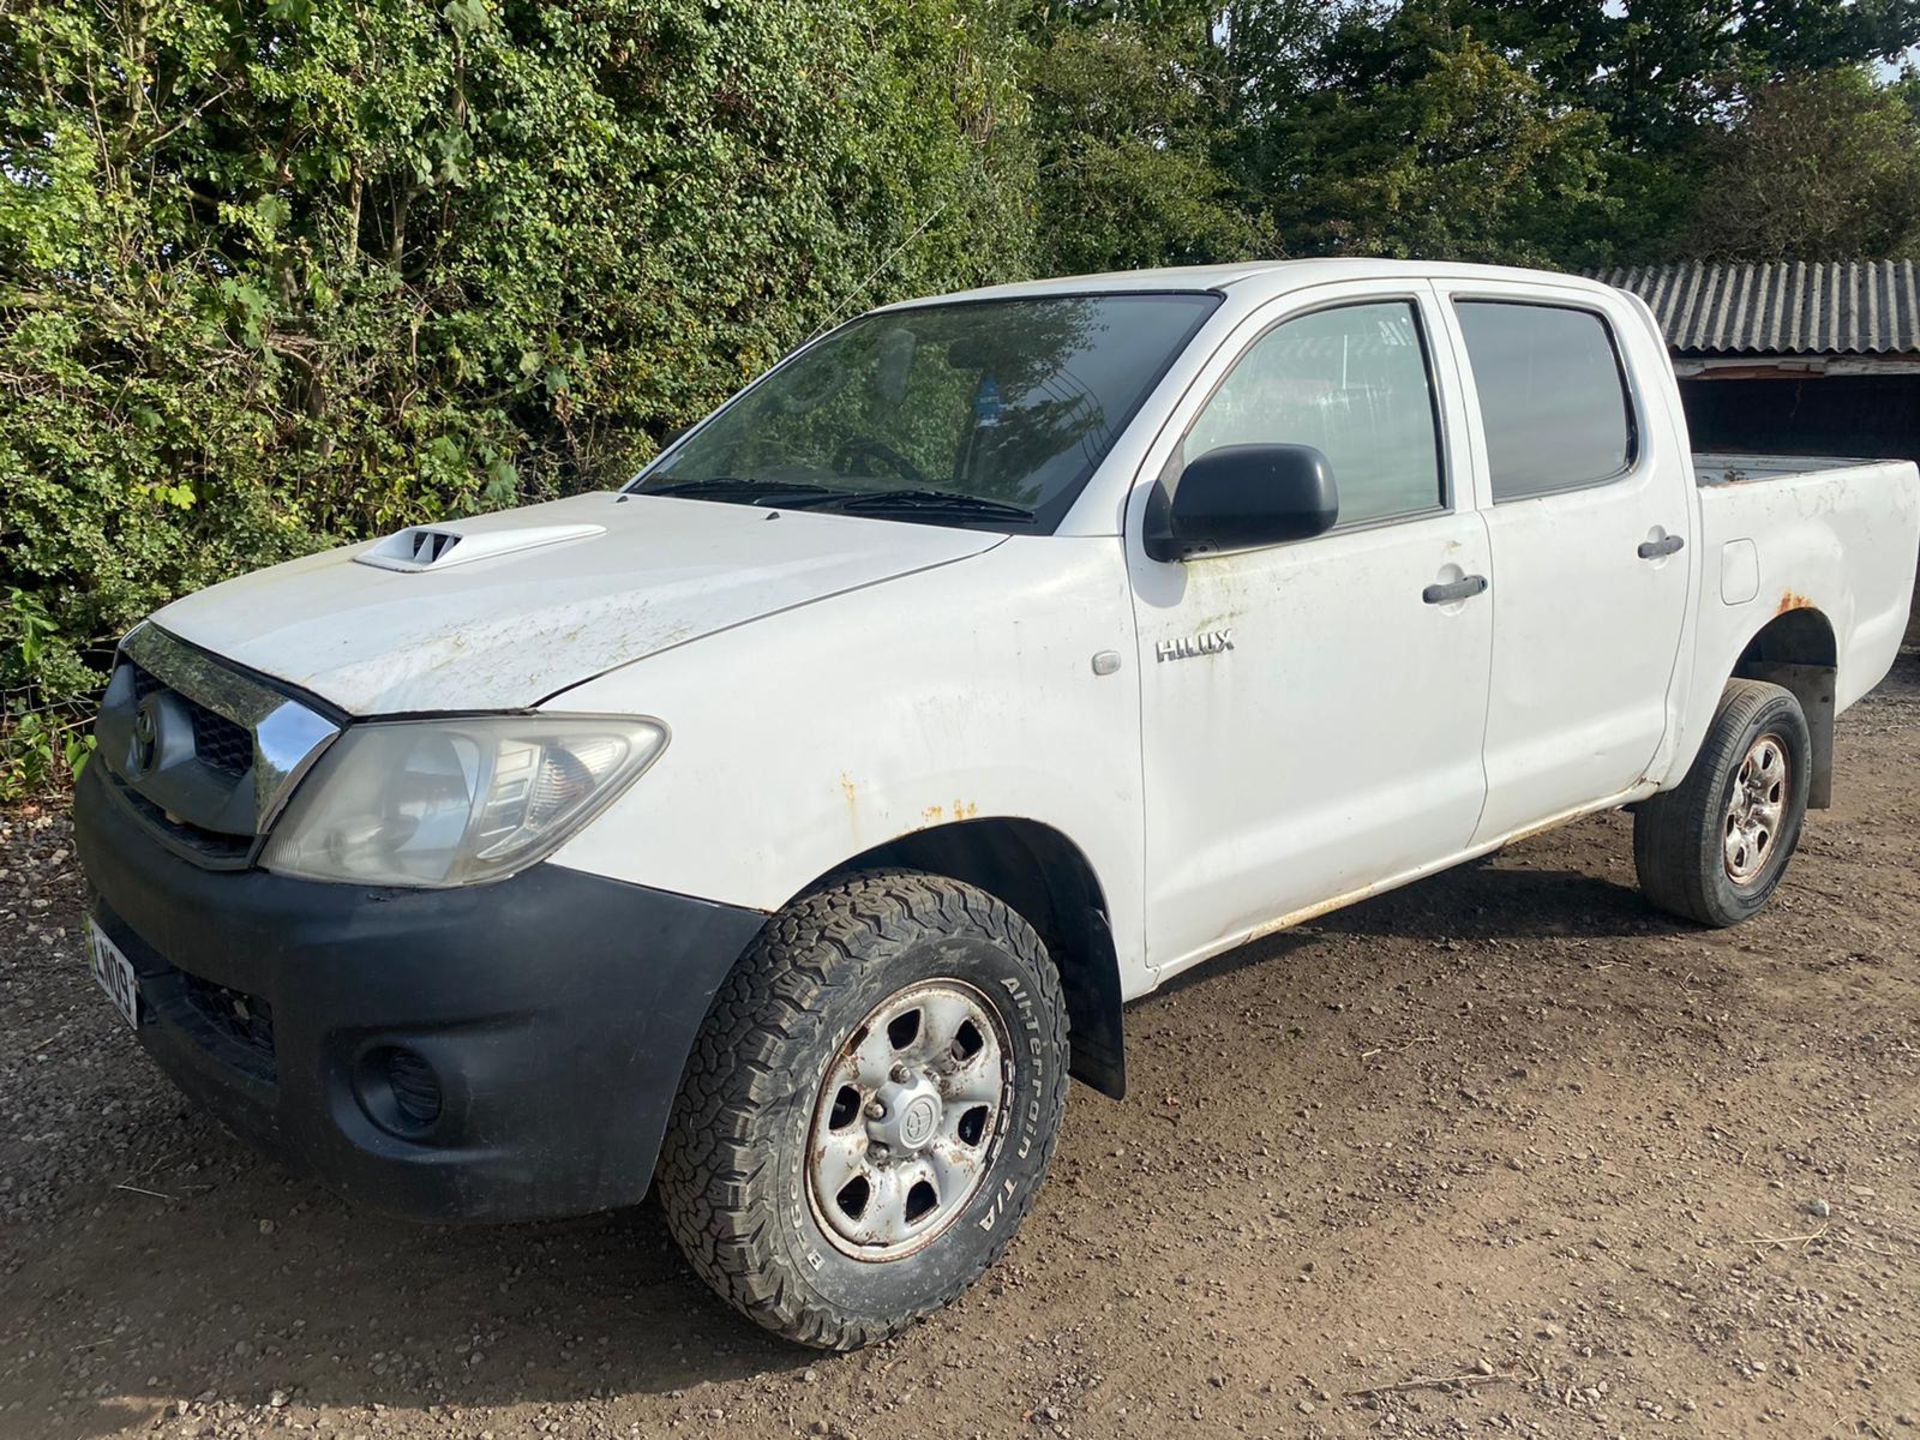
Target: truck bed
<point>1833,535</point>
<point>1726,467</point>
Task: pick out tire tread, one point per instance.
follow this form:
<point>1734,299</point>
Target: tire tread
<point>1672,831</point>
<point>716,1185</point>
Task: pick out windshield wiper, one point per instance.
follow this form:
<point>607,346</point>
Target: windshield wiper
<point>919,501</point>
<point>722,487</point>
<point>798,493</point>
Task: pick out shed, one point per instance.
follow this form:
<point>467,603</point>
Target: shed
<point>1792,357</point>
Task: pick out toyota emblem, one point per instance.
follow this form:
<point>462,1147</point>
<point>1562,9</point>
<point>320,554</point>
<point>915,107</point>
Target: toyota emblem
<point>146,740</point>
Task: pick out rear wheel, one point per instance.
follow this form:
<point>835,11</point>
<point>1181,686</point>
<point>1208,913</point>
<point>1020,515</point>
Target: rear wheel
<point>869,1109</point>
<point>1715,848</point>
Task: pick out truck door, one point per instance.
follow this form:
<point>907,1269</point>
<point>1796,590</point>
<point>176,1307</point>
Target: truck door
<point>1313,712</point>
<point>1588,514</point>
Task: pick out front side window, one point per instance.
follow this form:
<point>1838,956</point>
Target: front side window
<point>1553,398</point>
<point>990,413</point>
<point>1352,382</point>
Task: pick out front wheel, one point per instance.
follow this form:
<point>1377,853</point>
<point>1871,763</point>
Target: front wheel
<point>869,1108</point>
<point>1714,848</point>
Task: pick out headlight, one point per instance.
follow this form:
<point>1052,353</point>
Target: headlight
<point>451,802</point>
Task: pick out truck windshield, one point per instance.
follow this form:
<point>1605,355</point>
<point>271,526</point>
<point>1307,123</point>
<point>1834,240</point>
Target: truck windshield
<point>988,413</point>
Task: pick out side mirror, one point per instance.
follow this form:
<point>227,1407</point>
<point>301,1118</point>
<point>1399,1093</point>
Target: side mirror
<point>1240,496</point>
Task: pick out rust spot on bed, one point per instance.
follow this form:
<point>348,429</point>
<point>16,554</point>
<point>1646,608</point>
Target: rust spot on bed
<point>937,814</point>
<point>1793,600</point>
<point>851,794</point>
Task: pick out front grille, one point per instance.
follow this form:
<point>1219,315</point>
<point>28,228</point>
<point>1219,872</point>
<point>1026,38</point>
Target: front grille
<point>217,741</point>
<point>242,1022</point>
<point>202,752</point>
<point>213,848</point>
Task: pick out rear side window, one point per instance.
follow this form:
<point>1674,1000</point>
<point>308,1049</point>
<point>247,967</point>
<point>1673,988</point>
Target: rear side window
<point>1553,397</point>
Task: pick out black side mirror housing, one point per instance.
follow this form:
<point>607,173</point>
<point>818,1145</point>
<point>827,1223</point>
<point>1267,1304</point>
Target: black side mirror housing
<point>1237,497</point>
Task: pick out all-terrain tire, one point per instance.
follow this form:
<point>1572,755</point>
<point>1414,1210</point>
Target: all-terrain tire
<point>733,1177</point>
<point>1681,845</point>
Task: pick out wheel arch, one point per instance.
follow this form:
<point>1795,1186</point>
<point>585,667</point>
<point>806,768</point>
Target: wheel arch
<point>1798,650</point>
<point>1043,876</point>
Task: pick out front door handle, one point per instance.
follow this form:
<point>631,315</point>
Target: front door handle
<point>1660,549</point>
<point>1454,590</point>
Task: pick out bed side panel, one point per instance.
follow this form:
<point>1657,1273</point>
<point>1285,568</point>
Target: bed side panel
<point>1842,541</point>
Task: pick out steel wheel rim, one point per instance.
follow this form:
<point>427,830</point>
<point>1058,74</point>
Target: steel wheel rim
<point>907,1118</point>
<point>1757,808</point>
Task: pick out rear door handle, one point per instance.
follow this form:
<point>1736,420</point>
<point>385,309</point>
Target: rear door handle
<point>1660,549</point>
<point>1454,590</point>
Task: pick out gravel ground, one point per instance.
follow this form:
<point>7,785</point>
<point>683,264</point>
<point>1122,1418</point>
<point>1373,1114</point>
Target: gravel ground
<point>1508,1128</point>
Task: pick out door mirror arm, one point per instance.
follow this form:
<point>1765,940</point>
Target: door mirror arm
<point>1156,531</point>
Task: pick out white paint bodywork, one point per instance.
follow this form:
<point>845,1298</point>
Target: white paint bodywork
<point>833,683</point>
<point>643,575</point>
<point>1838,541</point>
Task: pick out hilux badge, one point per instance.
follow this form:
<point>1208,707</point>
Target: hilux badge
<point>1207,642</point>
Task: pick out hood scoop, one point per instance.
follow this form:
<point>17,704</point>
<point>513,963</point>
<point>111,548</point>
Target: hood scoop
<point>441,547</point>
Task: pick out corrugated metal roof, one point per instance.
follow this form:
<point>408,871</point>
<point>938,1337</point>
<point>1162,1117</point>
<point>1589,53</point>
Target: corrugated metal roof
<point>1846,307</point>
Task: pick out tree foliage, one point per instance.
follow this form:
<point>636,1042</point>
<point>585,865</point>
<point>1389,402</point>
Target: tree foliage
<point>272,274</point>
<point>1818,166</point>
<point>278,272</point>
<point>1128,150</point>
<point>1430,141</point>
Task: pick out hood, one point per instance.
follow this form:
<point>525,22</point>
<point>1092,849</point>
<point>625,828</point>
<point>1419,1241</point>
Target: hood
<point>504,610</point>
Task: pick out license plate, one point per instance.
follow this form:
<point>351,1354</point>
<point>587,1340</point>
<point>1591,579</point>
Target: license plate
<point>115,974</point>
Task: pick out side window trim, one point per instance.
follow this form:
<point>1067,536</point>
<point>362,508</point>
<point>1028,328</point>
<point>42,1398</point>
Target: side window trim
<point>1417,302</point>
<point>1629,387</point>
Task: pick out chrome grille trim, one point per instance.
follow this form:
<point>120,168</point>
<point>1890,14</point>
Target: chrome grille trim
<point>286,735</point>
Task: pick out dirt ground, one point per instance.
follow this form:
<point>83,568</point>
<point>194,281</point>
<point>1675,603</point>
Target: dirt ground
<point>1615,1176</point>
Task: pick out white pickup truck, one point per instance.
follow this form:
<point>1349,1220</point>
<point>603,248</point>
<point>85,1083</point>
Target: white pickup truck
<point>784,828</point>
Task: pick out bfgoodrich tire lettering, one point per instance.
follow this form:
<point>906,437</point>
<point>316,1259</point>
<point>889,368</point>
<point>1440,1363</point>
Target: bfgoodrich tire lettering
<point>734,1172</point>
<point>1714,848</point>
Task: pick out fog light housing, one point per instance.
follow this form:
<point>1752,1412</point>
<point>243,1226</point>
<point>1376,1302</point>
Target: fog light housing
<point>399,1090</point>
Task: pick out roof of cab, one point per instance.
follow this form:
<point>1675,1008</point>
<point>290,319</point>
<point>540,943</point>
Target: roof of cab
<point>1275,275</point>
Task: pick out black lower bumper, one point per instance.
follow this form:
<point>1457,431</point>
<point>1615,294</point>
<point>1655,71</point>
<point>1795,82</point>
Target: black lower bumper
<point>494,1052</point>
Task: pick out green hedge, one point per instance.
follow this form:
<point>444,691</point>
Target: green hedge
<point>275,273</point>
<point>272,275</point>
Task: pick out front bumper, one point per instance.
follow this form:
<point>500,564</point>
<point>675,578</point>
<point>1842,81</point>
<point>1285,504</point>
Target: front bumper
<point>497,1052</point>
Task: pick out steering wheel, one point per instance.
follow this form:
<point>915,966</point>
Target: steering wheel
<point>862,448</point>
